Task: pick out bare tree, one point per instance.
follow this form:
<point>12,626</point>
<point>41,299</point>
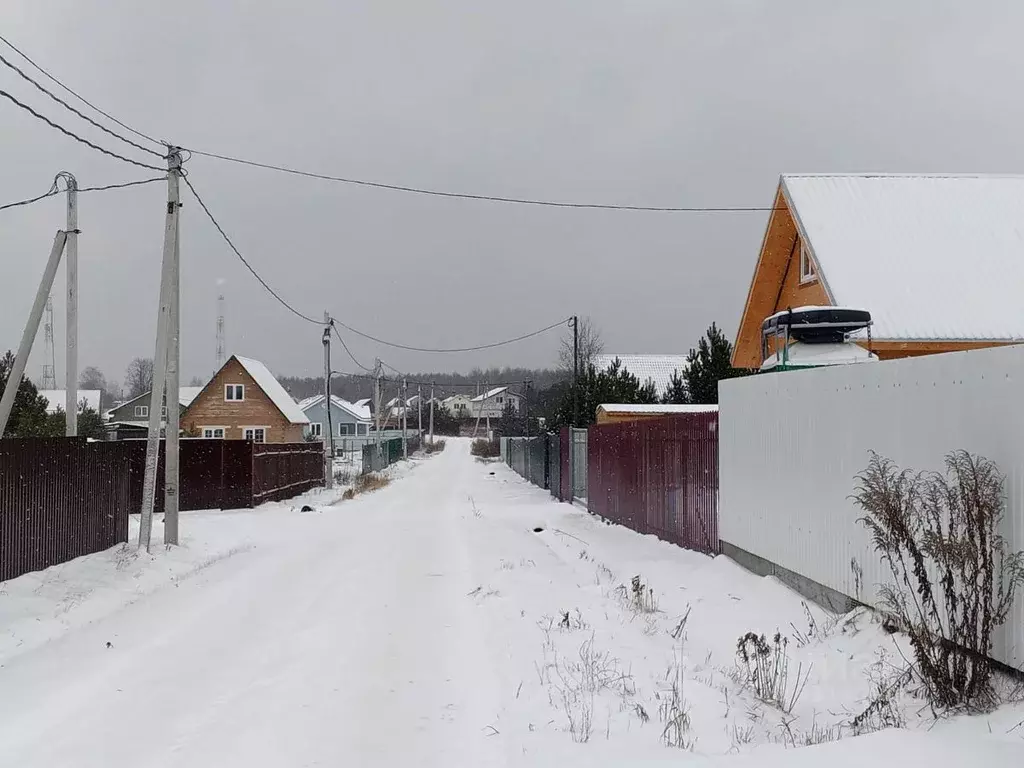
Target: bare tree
<point>93,378</point>
<point>590,346</point>
<point>138,378</point>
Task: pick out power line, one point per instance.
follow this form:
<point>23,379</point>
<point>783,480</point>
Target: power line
<point>441,386</point>
<point>452,349</point>
<point>347,350</point>
<point>55,190</point>
<point>488,198</point>
<point>72,109</point>
<point>82,99</point>
<point>75,136</point>
<point>248,266</point>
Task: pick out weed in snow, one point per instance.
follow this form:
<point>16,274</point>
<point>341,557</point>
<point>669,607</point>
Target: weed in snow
<point>765,668</point>
<point>674,709</point>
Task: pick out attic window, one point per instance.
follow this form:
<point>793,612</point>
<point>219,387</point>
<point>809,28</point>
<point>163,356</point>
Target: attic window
<point>807,273</point>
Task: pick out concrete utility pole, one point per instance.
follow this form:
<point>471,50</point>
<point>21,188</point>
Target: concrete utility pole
<point>526,407</point>
<point>376,400</point>
<point>431,413</point>
<point>575,369</point>
<point>31,329</point>
<point>419,417</point>
<point>168,281</point>
<point>71,341</point>
<point>171,469</point>
<point>404,405</point>
<point>329,437</point>
<point>479,410</point>
<point>484,403</point>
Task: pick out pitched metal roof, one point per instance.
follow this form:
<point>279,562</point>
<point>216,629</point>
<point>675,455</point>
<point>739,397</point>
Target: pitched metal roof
<point>657,368</point>
<point>272,388</point>
<point>931,257</point>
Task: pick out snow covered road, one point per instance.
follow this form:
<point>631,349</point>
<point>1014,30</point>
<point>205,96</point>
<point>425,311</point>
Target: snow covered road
<point>426,624</point>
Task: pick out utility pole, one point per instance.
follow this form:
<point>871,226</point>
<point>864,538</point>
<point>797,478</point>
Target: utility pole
<point>484,403</point>
<point>575,369</point>
<point>329,437</point>
<point>31,329</point>
<point>431,413</point>
<point>171,479</point>
<point>479,409</point>
<point>164,331</point>
<point>376,400</point>
<point>419,417</point>
<point>526,406</point>
<point>404,405</point>
<point>71,340</point>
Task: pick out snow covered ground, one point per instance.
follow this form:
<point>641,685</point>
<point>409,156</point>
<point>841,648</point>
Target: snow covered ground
<point>431,623</point>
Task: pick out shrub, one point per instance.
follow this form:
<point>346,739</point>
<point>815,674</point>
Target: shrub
<point>765,668</point>
<point>953,577</point>
<point>371,482</point>
<point>486,449</point>
<point>435,447</point>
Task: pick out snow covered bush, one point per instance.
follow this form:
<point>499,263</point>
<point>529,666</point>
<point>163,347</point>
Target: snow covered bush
<point>953,578</point>
<point>485,449</point>
<point>765,668</point>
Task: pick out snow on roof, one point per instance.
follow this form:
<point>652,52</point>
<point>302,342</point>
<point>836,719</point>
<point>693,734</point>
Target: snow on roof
<point>657,408</point>
<point>187,394</point>
<point>57,398</point>
<point>657,368</point>
<point>365,402</point>
<point>930,257</point>
<point>272,388</point>
<point>490,394</point>
<point>800,354</point>
<point>361,412</point>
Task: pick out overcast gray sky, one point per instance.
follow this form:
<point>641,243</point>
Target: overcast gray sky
<point>649,102</point>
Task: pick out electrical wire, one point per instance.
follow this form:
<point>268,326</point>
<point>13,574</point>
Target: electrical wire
<point>440,387</point>
<point>451,349</point>
<point>488,198</point>
<point>56,190</point>
<point>347,350</point>
<point>53,190</point>
<point>242,258</point>
<point>82,99</point>
<point>75,136</point>
<point>88,119</point>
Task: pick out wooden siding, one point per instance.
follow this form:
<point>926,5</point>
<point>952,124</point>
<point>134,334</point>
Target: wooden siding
<point>619,417</point>
<point>210,409</point>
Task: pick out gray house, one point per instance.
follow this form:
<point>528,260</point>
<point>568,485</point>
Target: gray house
<point>347,419</point>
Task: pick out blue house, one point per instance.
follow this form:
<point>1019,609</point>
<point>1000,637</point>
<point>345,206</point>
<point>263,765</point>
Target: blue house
<point>347,419</point>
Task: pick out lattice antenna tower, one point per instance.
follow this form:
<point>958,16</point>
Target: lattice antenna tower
<point>49,359</point>
<point>221,352</point>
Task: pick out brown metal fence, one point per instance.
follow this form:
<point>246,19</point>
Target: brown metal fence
<point>60,499</point>
<point>283,470</point>
<point>658,476</point>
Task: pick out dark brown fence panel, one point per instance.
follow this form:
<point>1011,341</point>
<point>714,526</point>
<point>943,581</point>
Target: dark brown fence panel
<point>658,476</point>
<point>60,499</point>
<point>284,470</point>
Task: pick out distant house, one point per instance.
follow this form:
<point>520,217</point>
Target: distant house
<point>243,401</point>
<point>492,404</point>
<point>936,260</point>
<point>655,368</point>
<point>608,413</point>
<point>347,419</point>
<point>130,419</point>
<point>458,405</point>
<point>56,399</point>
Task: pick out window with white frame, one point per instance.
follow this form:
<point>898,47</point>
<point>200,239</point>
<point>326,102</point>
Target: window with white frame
<point>346,429</point>
<point>142,411</point>
<point>501,400</point>
<point>807,274</point>
<point>256,434</point>
<point>163,412</point>
<point>316,429</point>
<point>213,433</point>
<point>363,429</point>
<point>234,392</point>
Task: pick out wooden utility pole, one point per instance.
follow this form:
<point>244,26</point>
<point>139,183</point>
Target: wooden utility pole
<point>376,400</point>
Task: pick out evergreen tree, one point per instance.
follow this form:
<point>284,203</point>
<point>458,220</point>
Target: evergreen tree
<point>708,364</point>
<point>28,416</point>
<point>614,385</point>
<point>676,394</point>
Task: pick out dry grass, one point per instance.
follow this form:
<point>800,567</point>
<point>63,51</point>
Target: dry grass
<point>371,482</point>
<point>435,447</point>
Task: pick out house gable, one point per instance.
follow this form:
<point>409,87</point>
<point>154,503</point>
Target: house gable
<point>210,409</point>
<point>776,284</point>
